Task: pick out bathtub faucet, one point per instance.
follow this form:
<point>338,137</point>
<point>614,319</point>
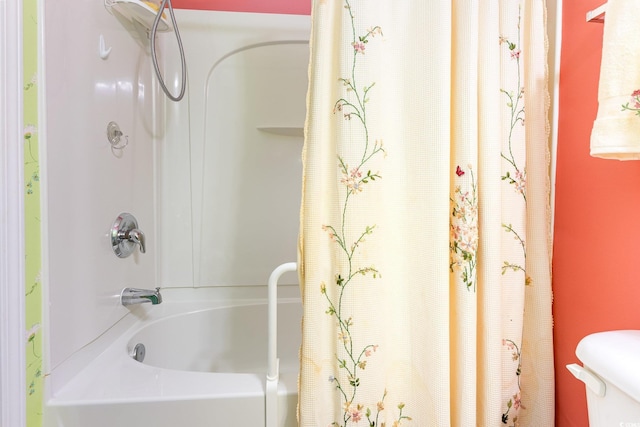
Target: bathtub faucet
<point>131,296</point>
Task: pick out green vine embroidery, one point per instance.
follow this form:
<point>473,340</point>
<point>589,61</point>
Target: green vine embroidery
<point>515,103</point>
<point>635,99</point>
<point>517,176</point>
<point>463,244</point>
<point>515,402</point>
<point>354,180</point>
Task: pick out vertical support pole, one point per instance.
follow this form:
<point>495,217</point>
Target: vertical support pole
<point>271,390</point>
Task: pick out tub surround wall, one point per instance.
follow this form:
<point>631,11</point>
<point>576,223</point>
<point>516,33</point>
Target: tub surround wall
<point>85,185</point>
<point>230,160</point>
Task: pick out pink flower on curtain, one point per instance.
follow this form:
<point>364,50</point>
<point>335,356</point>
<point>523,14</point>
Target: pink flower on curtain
<point>463,244</point>
<point>520,182</point>
<point>358,46</point>
<point>354,179</point>
<point>331,231</point>
<point>517,402</point>
<point>356,414</point>
<point>371,349</point>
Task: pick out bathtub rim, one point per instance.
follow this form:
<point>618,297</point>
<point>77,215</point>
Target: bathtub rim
<point>112,345</point>
<point>137,335</point>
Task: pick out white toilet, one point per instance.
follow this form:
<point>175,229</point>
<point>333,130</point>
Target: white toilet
<point>611,374</point>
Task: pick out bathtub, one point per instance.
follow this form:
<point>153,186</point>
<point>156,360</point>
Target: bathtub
<point>205,365</point>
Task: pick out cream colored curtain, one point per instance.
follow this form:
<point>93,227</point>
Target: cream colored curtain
<point>424,248</point>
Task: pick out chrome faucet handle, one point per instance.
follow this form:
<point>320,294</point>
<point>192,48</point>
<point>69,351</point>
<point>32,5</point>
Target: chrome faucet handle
<point>125,236</point>
<point>136,236</point>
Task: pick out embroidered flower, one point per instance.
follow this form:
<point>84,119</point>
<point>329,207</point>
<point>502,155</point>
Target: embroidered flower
<point>517,402</point>
<point>358,47</point>
<point>509,344</point>
<point>373,31</point>
<point>353,180</point>
<point>634,101</point>
<point>370,350</point>
<point>356,415</point>
<point>343,337</point>
<point>331,231</point>
<point>520,182</point>
<point>463,244</point>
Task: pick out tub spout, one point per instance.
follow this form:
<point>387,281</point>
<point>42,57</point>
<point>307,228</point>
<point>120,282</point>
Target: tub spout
<point>131,296</point>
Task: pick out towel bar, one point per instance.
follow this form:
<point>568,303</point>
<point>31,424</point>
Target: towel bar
<point>597,14</point>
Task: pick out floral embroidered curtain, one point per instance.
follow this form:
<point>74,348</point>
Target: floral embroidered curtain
<point>425,231</point>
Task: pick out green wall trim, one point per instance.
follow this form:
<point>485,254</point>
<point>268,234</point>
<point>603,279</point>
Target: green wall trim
<point>33,249</point>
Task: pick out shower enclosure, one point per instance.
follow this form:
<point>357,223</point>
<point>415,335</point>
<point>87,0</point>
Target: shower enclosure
<point>226,180</point>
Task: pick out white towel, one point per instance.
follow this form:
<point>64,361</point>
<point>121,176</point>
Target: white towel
<point>616,130</point>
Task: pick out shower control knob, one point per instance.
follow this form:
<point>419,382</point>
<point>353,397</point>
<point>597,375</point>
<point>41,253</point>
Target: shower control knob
<point>125,236</point>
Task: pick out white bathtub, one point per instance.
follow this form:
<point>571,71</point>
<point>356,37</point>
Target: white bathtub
<point>204,366</point>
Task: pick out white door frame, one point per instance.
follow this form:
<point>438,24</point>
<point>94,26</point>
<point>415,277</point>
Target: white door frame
<point>12,276</point>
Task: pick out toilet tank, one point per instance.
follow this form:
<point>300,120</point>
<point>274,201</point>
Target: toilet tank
<point>611,373</point>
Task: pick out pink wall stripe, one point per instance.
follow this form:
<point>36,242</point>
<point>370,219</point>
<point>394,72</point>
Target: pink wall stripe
<point>292,7</point>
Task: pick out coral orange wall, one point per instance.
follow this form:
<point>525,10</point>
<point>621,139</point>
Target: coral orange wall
<point>293,7</point>
<point>596,261</point>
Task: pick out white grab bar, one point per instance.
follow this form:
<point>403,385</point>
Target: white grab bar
<point>273,368</point>
<point>272,295</point>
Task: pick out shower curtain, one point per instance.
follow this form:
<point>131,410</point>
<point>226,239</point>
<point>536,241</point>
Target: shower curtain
<point>424,254</point>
